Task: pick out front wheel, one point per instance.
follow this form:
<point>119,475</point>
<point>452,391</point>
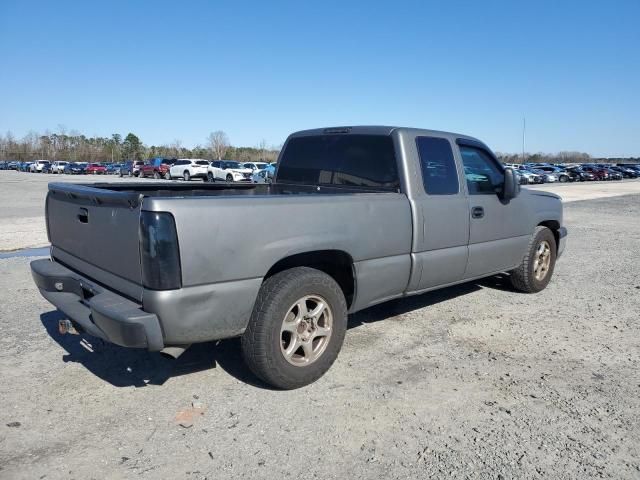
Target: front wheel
<point>229,178</point>
<point>536,269</point>
<point>296,329</point>
<point>156,175</point>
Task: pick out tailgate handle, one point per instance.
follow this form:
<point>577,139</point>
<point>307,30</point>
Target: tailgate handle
<point>83,215</point>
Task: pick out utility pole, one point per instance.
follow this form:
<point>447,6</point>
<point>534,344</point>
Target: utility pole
<point>524,130</point>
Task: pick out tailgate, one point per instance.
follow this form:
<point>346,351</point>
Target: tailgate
<point>96,231</point>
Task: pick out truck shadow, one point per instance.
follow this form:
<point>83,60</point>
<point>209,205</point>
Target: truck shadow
<point>126,367</point>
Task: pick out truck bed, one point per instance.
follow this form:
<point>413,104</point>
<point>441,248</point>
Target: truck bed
<point>132,192</point>
<point>226,232</point>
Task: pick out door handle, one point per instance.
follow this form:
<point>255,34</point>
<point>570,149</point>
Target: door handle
<point>477,212</point>
<point>83,215</point>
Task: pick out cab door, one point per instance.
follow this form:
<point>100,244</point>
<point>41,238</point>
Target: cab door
<point>498,230</point>
<point>442,231</point>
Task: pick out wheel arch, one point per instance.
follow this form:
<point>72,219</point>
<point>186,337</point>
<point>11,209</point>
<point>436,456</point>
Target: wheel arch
<point>338,264</point>
<point>554,226</point>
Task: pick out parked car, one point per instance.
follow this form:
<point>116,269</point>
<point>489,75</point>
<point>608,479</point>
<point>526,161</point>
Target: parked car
<point>96,169</point>
<point>614,174</point>
<point>529,176</point>
<point>625,172</point>
<point>547,177</point>
<point>580,175</point>
<point>346,225</point>
<point>255,166</point>
<point>58,167</point>
<point>131,168</point>
<point>265,175</point>
<point>13,165</point>
<point>188,168</point>
<point>75,168</point>
<point>598,173</point>
<point>631,166</point>
<point>25,166</point>
<point>4,165</point>
<point>560,173</point>
<point>112,168</point>
<point>39,166</point>
<point>157,168</point>
<point>228,171</point>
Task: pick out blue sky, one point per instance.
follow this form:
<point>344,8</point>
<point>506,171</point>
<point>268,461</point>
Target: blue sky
<point>260,70</point>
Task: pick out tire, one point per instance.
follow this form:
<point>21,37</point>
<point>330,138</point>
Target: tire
<point>156,175</point>
<point>167,175</point>
<point>264,341</point>
<point>211,178</point>
<point>527,278</point>
<point>564,179</point>
<point>130,173</point>
<point>229,178</point>
<point>186,176</point>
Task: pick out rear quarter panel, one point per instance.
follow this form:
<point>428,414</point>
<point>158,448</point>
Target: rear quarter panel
<point>230,239</point>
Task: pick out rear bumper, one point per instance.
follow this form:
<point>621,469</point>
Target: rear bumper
<point>562,240</point>
<point>97,311</point>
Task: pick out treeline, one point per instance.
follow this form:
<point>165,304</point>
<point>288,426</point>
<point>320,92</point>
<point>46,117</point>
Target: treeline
<point>560,157</point>
<point>74,146</point>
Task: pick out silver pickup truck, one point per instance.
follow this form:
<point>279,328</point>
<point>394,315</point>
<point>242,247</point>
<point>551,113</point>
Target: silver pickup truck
<point>356,216</point>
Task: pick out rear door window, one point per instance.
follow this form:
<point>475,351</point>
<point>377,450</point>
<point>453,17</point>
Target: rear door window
<point>340,159</point>
<point>439,173</point>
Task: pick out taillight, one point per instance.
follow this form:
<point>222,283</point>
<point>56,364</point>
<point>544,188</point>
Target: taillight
<point>159,252</point>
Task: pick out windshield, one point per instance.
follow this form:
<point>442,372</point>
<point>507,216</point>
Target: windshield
<point>231,165</point>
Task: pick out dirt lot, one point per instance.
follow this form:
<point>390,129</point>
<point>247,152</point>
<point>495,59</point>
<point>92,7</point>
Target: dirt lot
<point>475,381</point>
<point>22,225</point>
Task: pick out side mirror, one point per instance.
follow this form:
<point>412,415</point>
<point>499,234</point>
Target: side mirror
<point>511,187</point>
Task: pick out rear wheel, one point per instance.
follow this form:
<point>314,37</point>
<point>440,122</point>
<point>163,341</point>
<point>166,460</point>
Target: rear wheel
<point>296,329</point>
<point>186,176</point>
<point>229,178</point>
<point>210,178</point>
<point>156,175</point>
<point>536,269</point>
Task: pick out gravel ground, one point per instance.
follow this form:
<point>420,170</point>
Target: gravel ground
<point>474,381</point>
<point>23,226</point>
